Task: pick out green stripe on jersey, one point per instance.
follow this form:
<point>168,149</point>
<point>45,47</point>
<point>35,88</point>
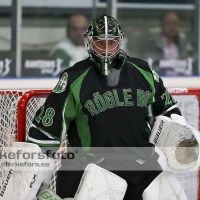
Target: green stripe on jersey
<point>73,111</point>
<point>148,76</point>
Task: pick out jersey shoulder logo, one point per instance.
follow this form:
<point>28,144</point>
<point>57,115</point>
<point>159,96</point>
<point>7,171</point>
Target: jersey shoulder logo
<point>61,85</point>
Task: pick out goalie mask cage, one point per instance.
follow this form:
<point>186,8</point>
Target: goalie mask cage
<point>18,108</point>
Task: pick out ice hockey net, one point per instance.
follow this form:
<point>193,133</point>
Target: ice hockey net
<point>17,109</point>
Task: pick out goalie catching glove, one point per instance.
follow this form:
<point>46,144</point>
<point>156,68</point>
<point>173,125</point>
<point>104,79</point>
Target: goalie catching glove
<point>179,142</point>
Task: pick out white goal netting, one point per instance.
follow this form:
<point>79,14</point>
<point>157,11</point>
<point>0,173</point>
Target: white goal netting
<point>17,113</point>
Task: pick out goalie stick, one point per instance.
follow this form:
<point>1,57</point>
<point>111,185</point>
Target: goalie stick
<point>46,193</point>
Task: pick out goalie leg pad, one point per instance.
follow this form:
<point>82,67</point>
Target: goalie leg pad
<point>24,179</point>
<point>164,186</point>
<point>98,183</point>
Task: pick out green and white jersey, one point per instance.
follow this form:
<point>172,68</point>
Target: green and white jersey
<point>93,114</point>
<point>68,53</point>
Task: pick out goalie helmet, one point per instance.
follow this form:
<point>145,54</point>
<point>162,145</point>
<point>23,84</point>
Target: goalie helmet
<point>104,41</point>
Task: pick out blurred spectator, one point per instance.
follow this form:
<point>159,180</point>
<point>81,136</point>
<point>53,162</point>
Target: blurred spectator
<point>167,50</point>
<point>71,49</point>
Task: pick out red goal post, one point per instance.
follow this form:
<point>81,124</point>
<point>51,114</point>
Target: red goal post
<point>22,106</point>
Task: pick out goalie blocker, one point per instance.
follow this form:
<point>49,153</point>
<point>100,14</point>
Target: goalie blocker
<point>178,141</point>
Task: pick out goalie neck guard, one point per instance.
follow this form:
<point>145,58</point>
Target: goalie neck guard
<point>104,41</point>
